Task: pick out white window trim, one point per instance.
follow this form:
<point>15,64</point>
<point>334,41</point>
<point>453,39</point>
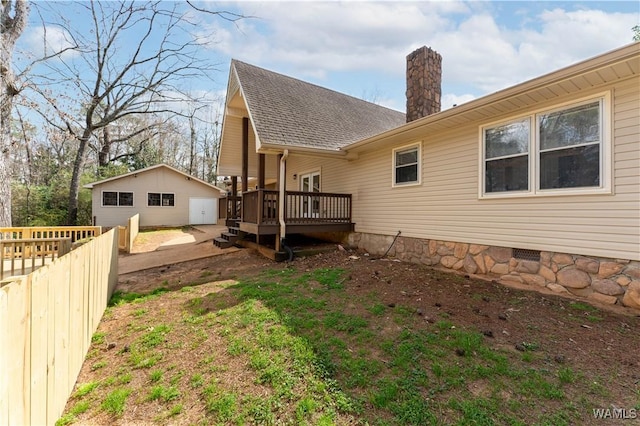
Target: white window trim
<point>417,145</point>
<point>606,153</point>
<point>102,204</point>
<point>161,194</point>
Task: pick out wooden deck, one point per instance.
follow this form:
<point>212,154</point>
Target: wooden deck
<point>258,212</point>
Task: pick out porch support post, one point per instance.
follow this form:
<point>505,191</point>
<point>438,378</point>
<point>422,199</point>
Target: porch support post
<point>234,197</point>
<point>261,167</point>
<point>245,154</point>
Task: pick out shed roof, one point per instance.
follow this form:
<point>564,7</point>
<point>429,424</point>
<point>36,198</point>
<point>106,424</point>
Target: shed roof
<point>149,169</point>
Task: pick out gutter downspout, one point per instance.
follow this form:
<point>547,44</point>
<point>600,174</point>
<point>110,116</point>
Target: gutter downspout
<point>282,195</point>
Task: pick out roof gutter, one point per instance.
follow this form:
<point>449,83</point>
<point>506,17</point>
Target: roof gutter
<point>266,148</point>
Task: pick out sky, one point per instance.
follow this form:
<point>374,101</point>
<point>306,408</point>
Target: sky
<point>360,48</point>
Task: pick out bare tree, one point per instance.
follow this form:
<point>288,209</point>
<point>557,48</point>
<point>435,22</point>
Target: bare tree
<point>13,20</point>
<point>210,148</point>
<point>133,62</point>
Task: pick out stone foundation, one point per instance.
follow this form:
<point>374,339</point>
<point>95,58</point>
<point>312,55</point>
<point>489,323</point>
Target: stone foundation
<point>607,281</point>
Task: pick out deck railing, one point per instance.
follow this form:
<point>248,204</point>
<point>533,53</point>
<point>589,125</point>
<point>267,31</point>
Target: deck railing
<point>318,207</point>
<point>22,256</point>
<point>75,233</point>
<point>230,208</point>
<point>261,207</point>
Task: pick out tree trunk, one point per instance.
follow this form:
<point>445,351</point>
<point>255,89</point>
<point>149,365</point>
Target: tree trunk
<point>74,186</point>
<point>105,148</point>
<point>192,139</point>
<point>10,30</point>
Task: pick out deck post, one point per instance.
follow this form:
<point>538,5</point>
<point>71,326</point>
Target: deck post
<point>234,197</point>
<point>261,170</point>
<point>260,214</point>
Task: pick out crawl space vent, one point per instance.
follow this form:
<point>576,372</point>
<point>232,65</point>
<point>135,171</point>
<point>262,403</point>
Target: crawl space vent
<point>525,254</point>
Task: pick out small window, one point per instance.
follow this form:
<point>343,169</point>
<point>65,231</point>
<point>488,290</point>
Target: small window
<point>109,198</point>
<point>113,198</point>
<point>159,199</point>
<point>167,200</point>
<point>153,199</point>
<point>406,164</point>
<point>125,199</point>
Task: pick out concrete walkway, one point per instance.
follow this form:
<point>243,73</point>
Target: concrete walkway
<point>196,244</point>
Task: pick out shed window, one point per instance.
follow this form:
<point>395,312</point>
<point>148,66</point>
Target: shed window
<point>114,198</point>
<point>160,199</point>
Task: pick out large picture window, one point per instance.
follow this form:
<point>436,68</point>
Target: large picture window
<point>160,200</point>
<point>553,151</point>
<point>406,165</point>
<point>117,199</point>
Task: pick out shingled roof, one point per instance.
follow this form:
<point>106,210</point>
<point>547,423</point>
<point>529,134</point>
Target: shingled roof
<point>290,112</point>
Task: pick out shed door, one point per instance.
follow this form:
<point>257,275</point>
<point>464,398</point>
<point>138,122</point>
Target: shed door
<point>203,211</point>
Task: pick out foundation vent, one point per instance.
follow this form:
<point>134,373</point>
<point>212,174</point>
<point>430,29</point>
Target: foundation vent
<point>525,254</point>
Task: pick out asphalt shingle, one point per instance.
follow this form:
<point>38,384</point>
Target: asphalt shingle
<point>291,112</point>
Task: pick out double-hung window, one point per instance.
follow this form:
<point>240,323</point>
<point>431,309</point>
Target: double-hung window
<point>570,145</point>
<point>117,199</point>
<point>406,165</point>
<point>550,152</point>
<point>506,149</point>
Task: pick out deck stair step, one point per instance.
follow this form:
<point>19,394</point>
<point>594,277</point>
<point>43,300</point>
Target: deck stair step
<point>222,243</point>
<point>229,236</point>
<point>232,222</point>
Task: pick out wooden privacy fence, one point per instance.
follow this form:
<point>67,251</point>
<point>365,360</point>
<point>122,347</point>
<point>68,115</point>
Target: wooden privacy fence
<point>127,234</point>
<point>47,319</point>
<point>19,257</point>
<point>75,233</point>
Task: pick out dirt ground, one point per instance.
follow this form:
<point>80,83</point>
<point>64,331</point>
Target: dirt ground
<point>568,331</point>
<point>601,344</point>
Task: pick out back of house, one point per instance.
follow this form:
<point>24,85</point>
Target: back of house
<point>537,184</point>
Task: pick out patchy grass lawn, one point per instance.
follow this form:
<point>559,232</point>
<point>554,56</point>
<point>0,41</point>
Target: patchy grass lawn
<point>312,345</point>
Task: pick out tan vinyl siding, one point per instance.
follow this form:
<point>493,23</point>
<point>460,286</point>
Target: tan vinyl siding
<point>159,180</point>
<point>231,152</point>
<point>446,205</point>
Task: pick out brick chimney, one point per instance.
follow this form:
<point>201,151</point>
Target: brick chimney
<point>424,77</point>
